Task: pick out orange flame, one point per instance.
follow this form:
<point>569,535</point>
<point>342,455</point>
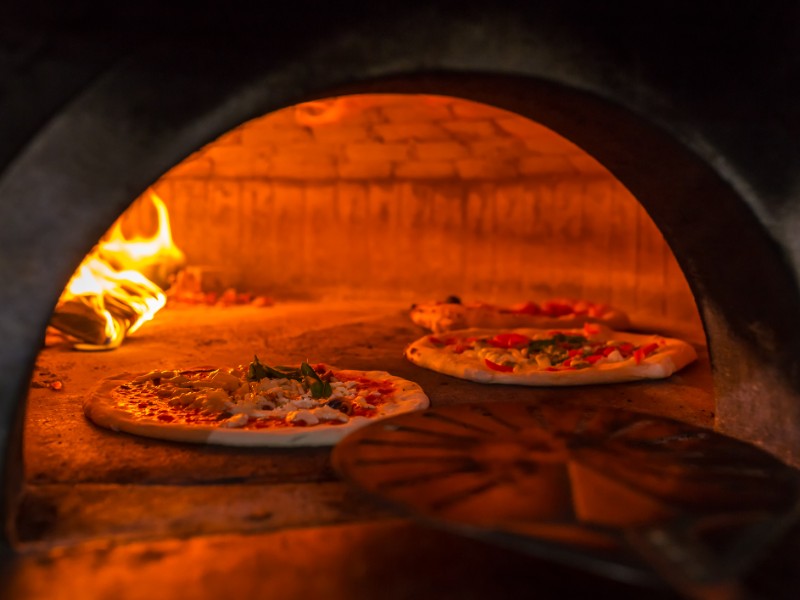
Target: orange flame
<point>151,256</point>
<point>113,293</point>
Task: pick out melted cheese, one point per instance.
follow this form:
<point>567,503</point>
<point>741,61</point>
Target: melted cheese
<point>283,399</point>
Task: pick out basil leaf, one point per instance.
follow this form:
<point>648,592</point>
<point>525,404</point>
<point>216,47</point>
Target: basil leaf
<point>317,387</point>
<point>258,371</point>
<point>307,370</point>
<point>572,340</point>
<point>552,345</point>
<point>539,345</point>
<point>320,389</point>
<point>290,374</point>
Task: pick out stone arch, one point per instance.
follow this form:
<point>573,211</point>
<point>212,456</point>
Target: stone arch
<point>144,113</point>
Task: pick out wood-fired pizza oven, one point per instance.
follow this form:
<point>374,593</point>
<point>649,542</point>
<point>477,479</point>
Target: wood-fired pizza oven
<point>344,163</point>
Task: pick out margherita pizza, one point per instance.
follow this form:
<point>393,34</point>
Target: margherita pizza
<point>453,314</point>
<point>255,405</point>
<point>540,357</point>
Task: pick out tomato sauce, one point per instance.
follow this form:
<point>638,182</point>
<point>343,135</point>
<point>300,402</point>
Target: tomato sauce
<point>144,402</point>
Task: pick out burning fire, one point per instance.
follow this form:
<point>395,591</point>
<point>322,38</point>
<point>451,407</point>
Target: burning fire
<point>119,285</point>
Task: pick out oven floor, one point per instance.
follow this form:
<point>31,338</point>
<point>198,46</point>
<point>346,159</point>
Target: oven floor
<point>103,501</point>
<point>392,560</point>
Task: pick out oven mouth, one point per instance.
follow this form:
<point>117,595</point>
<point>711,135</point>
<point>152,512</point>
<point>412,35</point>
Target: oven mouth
<point>407,198</point>
<point>86,487</point>
<point>435,196</point>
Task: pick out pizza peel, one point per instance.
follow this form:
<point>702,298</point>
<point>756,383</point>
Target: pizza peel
<point>637,498</point>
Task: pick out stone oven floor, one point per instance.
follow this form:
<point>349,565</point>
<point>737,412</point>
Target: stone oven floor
<point>112,515</point>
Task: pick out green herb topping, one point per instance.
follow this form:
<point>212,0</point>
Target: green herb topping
<point>305,375</point>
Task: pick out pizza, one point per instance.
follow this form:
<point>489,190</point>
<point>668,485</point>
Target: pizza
<point>557,313</point>
<point>540,357</point>
<point>254,405</point>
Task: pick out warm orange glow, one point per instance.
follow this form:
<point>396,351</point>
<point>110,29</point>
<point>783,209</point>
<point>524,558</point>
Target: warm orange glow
<point>109,296</point>
<point>141,253</point>
<point>320,112</point>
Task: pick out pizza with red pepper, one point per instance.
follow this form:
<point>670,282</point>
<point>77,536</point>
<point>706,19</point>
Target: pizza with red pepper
<point>254,405</point>
<point>551,314</point>
<point>541,357</point>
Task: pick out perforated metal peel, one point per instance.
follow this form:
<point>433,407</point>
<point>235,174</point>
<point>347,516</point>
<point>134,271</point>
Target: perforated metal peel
<point>613,491</point>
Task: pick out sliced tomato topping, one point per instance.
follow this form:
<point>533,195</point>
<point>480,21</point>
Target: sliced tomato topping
<point>594,358</point>
<point>509,340</point>
<point>641,353</point>
<point>591,329</point>
<point>597,310</point>
<point>529,308</point>
<point>442,341</point>
<point>649,349</point>
<point>553,308</point>
<point>496,367</point>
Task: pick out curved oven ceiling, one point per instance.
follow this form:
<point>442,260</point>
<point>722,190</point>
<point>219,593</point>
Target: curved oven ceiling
<point>409,197</point>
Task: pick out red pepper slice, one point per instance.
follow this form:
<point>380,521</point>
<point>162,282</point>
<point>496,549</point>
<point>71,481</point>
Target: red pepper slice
<point>590,329</point>
<point>553,308</point>
<point>495,367</point>
<point>529,308</point>
<point>593,358</point>
<point>509,340</point>
<point>649,349</point>
<point>641,353</point>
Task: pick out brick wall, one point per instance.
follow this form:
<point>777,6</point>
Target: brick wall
<point>386,138</point>
<point>415,197</point>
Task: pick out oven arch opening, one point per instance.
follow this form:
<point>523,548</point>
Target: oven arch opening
<point>412,197</point>
<point>647,167</point>
<point>222,177</point>
<point>225,176</point>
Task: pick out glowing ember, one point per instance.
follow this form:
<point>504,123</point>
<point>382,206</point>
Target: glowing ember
<point>113,291</point>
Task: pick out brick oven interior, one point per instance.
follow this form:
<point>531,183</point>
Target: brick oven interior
<point>344,201</point>
<point>343,212</point>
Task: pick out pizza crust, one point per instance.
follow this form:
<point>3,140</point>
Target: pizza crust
<point>103,409</point>
<point>672,356</point>
<point>439,317</point>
